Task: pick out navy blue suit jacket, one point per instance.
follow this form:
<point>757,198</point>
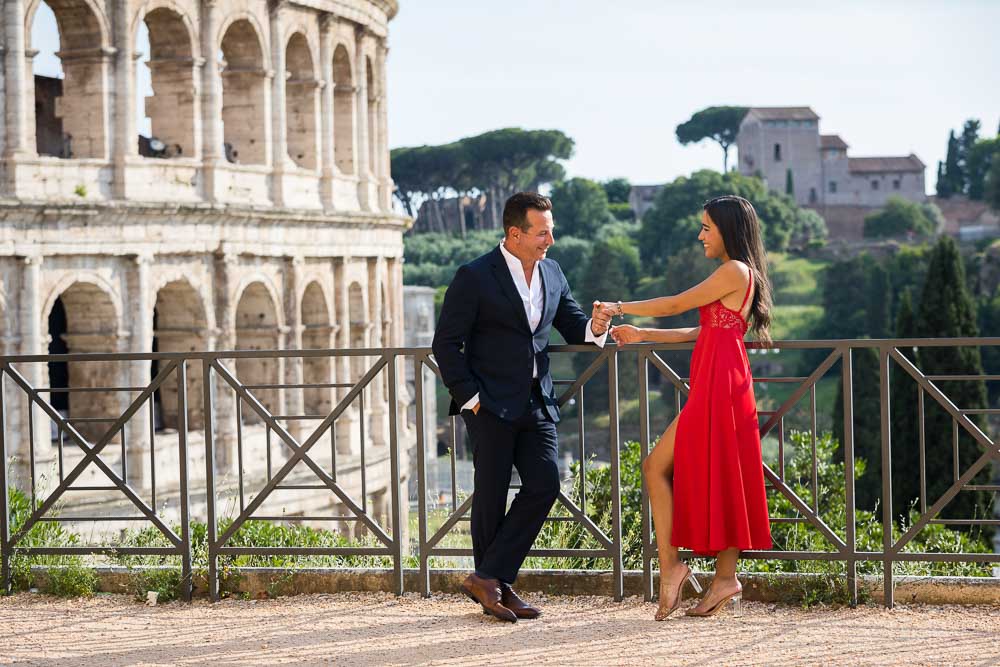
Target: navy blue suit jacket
<point>483,343</point>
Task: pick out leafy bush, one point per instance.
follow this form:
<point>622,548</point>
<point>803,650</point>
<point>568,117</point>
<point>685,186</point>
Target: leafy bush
<point>935,538</point>
<point>900,217</point>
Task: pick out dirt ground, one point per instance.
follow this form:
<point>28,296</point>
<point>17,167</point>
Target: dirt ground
<point>380,629</point>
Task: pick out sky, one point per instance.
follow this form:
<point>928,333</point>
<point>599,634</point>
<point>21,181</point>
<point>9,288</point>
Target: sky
<point>890,77</point>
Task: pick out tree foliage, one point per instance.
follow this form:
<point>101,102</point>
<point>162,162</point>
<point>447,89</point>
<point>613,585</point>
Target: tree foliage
<point>675,217</point>
<point>901,218</point>
<point>579,207</point>
<point>720,124</point>
<point>495,164</point>
<point>971,166</point>
<point>947,310</point>
<point>618,190</point>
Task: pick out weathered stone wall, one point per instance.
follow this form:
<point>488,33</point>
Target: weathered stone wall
<point>772,147</point>
<point>279,246</point>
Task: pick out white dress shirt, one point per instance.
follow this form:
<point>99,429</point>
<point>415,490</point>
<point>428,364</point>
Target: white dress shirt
<point>533,301</point>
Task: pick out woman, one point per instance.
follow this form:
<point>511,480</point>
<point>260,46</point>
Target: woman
<point>705,476</point>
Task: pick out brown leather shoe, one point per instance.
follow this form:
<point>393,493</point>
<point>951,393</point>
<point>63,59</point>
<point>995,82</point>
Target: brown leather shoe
<point>520,608</point>
<point>487,593</point>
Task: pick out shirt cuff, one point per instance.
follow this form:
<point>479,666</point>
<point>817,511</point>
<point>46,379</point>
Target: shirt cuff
<point>590,337</point>
<point>471,403</point>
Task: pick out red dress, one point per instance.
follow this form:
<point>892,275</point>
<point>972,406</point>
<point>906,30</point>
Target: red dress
<point>719,497</point>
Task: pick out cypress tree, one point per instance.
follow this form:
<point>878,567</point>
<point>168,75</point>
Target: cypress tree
<point>867,425</point>
<point>947,310</point>
<point>953,179</point>
<point>879,302</point>
<point>968,139</point>
<point>904,416</point>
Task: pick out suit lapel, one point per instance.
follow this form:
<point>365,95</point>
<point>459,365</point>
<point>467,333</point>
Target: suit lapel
<point>550,293</point>
<point>502,274</point>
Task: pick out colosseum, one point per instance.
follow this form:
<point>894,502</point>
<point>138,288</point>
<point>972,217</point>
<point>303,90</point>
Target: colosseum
<point>255,214</point>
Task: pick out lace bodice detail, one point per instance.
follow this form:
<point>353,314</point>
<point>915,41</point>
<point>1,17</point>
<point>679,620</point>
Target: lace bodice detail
<point>717,316</point>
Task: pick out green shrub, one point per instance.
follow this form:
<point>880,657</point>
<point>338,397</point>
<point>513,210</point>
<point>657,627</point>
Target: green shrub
<point>69,577</point>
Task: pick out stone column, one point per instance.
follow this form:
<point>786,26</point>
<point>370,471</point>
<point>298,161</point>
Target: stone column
<point>326,157</point>
<point>361,114</point>
<point>294,398</point>
<point>141,339</point>
<point>15,91</point>
<point>379,412</point>
<point>124,144</point>
<point>33,341</point>
<point>382,148</point>
<point>226,266</point>
<point>211,106</point>
<point>279,122</point>
<point>347,427</point>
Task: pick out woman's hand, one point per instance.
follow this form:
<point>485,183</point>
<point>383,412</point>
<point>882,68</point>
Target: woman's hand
<point>626,333</point>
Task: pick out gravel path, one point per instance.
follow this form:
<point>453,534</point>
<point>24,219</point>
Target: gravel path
<point>380,629</point>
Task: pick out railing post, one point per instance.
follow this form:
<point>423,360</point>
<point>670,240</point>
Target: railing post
<point>208,390</point>
<point>182,435</point>
<point>397,526</point>
<point>851,565</point>
<point>887,554</point>
<point>5,546</point>
<point>647,531</point>
<point>618,583</point>
<point>418,385</point>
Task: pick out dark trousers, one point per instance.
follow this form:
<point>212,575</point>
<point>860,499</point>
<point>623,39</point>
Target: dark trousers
<point>500,538</point>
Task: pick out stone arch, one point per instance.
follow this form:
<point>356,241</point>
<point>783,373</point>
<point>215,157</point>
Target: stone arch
<point>82,317</point>
<point>172,108</point>
<point>244,93</point>
<point>301,102</point>
<point>70,114</point>
<point>179,325</point>
<point>258,328</point>
<point>316,335</point>
<point>343,110</point>
<point>372,120</point>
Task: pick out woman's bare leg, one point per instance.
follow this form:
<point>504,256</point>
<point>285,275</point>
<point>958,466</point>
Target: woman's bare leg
<point>659,471</point>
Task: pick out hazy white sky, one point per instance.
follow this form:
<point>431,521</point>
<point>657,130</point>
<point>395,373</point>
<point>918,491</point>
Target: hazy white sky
<point>890,77</point>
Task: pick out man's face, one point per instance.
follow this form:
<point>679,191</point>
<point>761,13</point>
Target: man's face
<point>533,243</point>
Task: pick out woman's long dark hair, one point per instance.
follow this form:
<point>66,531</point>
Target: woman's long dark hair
<point>737,222</point>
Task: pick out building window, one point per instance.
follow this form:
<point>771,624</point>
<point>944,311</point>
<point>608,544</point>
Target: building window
<point>812,195</point>
<point>874,185</point>
<point>895,184</point>
<point>833,186</point>
<point>777,152</point>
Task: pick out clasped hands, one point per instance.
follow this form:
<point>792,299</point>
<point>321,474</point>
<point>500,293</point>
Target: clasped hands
<point>623,334</point>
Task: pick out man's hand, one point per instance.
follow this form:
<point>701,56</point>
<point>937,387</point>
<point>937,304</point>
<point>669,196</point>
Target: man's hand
<point>601,318</point>
<point>475,408</point>
<point>626,333</point>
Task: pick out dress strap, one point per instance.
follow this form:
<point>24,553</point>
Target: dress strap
<point>747,295</point>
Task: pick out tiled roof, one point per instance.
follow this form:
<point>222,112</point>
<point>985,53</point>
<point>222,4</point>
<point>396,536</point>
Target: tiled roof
<point>832,141</point>
<point>784,113</point>
<point>883,164</point>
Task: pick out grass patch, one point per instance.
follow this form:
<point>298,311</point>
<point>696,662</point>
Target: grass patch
<point>794,322</point>
<point>796,279</point>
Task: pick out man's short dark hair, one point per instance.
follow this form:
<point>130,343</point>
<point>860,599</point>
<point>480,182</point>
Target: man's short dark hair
<point>515,211</point>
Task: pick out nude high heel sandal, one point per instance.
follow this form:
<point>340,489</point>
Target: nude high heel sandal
<point>737,599</point>
<point>662,613</point>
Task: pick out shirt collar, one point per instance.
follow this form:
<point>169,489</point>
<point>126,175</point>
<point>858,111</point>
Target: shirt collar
<point>514,264</point>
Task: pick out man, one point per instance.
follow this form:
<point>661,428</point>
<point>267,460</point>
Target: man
<point>491,344</point>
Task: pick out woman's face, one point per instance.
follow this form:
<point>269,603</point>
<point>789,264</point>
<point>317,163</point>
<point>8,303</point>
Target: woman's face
<point>711,239</point>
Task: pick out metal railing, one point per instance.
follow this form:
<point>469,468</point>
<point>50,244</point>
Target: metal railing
<point>271,394</point>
